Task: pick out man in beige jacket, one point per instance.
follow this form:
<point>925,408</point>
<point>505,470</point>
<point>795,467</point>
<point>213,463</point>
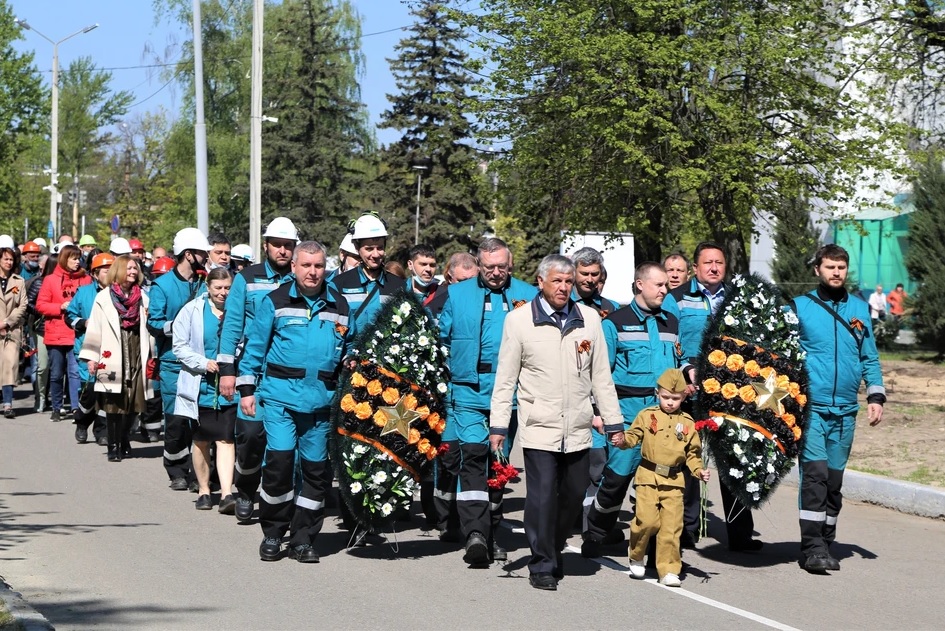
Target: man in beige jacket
<point>553,351</point>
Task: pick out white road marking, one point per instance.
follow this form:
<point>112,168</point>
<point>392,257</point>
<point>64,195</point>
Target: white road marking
<point>613,565</point>
<point>768,622</point>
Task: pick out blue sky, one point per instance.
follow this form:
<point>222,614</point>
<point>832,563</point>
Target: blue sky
<point>127,29</point>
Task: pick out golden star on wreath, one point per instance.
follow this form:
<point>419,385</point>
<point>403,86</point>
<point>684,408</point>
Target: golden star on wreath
<point>769,395</point>
<point>399,418</point>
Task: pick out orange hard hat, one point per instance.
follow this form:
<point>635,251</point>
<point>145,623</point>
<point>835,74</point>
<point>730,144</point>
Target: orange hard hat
<point>163,265</point>
<point>101,260</point>
<point>30,247</point>
<point>135,244</point>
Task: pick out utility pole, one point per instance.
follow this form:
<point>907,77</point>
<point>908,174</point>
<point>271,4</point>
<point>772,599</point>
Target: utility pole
<point>54,196</point>
<point>75,207</point>
<point>255,134</point>
<point>200,128</point>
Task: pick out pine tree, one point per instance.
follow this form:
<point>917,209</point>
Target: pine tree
<point>313,156</point>
<point>795,242</point>
<point>925,260</point>
<point>432,77</point>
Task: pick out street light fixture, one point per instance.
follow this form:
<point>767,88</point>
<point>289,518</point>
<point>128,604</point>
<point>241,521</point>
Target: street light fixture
<point>419,165</point>
<point>54,134</point>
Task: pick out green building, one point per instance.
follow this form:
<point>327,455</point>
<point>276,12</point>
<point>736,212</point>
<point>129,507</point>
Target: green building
<point>877,240</point>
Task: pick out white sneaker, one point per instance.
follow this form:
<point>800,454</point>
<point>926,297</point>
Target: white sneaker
<point>670,580</point>
<point>637,569</point>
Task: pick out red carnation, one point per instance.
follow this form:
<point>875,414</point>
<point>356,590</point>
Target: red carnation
<point>106,354</point>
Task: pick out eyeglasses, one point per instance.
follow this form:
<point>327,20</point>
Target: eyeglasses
<point>495,268</point>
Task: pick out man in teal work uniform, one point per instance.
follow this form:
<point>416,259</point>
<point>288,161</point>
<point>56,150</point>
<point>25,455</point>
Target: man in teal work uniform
<point>837,335</point>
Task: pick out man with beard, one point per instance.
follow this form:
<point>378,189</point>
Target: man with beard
<point>249,288</point>
<point>167,296</point>
<point>837,336</point>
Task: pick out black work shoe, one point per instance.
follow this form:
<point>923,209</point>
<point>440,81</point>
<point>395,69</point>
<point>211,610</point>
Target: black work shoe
<point>832,564</point>
<point>303,553</point>
<point>102,441</point>
<point>477,550</point>
<point>558,572</point>
<point>244,509</point>
<point>688,539</point>
<point>543,580</point>
<point>8,412</point>
<point>81,435</point>
<point>193,487</point>
<point>817,564</point>
<point>590,548</point>
<point>613,537</point>
<point>178,484</point>
<point>270,549</point>
<point>55,417</point>
<point>227,505</point>
<point>499,553</point>
<point>203,503</point>
<point>747,545</point>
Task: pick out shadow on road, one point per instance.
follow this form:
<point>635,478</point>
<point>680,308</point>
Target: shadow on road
<point>14,529</point>
<point>73,610</point>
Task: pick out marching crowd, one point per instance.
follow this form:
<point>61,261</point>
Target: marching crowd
<point>234,364</point>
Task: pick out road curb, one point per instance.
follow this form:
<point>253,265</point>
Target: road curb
<point>905,497</point>
<point>28,618</point>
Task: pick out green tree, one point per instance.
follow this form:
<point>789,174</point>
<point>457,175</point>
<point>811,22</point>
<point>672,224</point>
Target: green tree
<point>795,242</point>
<point>315,156</point>
<point>925,260</point>
<point>226,30</point>
<point>139,175</point>
<point>87,106</point>
<point>431,109</point>
<point>639,116</point>
<point>23,119</point>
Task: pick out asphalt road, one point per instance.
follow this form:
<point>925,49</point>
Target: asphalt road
<point>99,545</point>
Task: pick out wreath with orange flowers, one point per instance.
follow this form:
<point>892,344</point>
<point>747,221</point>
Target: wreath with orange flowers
<point>388,415</point>
<point>753,390</point>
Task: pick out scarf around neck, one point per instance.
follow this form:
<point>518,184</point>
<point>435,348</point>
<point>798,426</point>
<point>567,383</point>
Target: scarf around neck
<point>127,306</point>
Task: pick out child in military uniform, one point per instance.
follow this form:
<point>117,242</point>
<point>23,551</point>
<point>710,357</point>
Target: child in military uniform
<point>669,443</point>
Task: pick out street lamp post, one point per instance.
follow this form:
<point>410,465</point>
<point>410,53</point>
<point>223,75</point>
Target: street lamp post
<point>54,132</point>
<point>419,165</point>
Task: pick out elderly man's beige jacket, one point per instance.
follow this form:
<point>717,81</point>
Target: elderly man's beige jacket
<point>556,372</point>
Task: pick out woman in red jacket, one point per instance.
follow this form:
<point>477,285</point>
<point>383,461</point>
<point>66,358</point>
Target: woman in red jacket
<point>54,297</point>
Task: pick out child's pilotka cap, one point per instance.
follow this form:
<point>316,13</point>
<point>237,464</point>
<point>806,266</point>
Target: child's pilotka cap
<point>672,379</point>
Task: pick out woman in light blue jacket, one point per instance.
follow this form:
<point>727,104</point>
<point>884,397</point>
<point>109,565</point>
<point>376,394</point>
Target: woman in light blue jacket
<point>196,344</point>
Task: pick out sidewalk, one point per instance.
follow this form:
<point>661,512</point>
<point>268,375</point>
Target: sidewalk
<point>23,614</point>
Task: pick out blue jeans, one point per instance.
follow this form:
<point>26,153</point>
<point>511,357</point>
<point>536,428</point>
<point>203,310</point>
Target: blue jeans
<point>62,362</point>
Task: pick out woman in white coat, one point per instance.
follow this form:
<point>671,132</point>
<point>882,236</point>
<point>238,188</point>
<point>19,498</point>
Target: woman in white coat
<point>196,344</point>
<point>117,345</point>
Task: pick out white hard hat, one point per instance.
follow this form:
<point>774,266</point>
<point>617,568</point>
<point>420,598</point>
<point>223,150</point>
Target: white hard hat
<point>58,247</point>
<point>190,239</point>
<point>41,242</point>
<point>347,245</point>
<point>368,226</point>
<point>119,246</point>
<point>242,251</point>
<point>6,241</point>
<point>281,228</point>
